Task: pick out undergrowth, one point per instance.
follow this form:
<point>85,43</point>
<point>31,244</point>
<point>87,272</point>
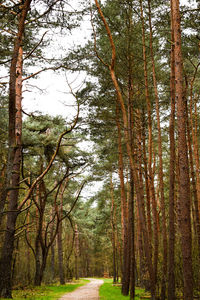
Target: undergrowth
<point>47,292</point>
<point>108,291</point>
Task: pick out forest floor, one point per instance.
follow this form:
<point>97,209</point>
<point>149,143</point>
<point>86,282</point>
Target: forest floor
<point>90,291</point>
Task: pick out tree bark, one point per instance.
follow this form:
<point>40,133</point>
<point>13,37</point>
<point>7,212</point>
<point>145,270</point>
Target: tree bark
<point>59,241</point>
<point>192,128</point>
<point>131,224</point>
<point>15,163</point>
<point>125,285</point>
<point>150,152</point>
<point>131,237</point>
<point>76,250</point>
<point>161,182</point>
<point>39,226</point>
<point>113,226</point>
<point>52,248</point>
<point>125,122</point>
<point>196,221</point>
<point>184,189</point>
<point>146,176</point>
<point>171,248</point>
<point>3,192</point>
<point>14,154</point>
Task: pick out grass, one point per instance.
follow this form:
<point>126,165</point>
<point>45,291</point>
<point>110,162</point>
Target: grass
<point>47,292</point>
<point>108,291</point>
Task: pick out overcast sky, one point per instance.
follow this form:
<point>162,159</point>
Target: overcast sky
<point>55,89</point>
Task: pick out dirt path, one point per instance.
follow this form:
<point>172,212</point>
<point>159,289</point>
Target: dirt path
<point>90,291</point>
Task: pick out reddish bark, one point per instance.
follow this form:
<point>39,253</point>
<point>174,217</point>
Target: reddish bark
<point>150,152</point>
<point>184,188</point>
<point>127,141</point>
<point>123,204</point>
<point>14,153</point>
<point>161,182</point>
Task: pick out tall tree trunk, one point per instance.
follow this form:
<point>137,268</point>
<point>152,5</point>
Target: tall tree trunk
<point>14,154</point>
<point>8,246</point>
<point>196,148</point>
<point>146,175</point>
<point>192,128</point>
<point>125,282</point>
<point>39,225</point>
<point>14,83</point>
<point>150,151</point>
<point>52,249</point>
<point>40,208</point>
<point>171,248</point>
<point>76,252</point>
<point>113,226</point>
<point>131,237</point>
<point>37,281</point>
<point>3,191</point>
<point>194,132</point>
<point>28,248</point>
<point>161,183</point>
<point>146,234</point>
<point>125,122</point>
<point>131,229</point>
<point>184,189</point>
<point>194,188</point>
<point>59,237</point>
<point>142,266</point>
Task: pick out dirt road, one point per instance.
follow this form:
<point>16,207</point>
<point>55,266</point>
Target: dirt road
<point>90,291</point>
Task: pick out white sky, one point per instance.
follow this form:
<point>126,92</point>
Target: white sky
<point>55,86</point>
<point>56,99</point>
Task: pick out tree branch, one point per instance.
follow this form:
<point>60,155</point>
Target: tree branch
<point>112,64</point>
<point>40,177</point>
<point>36,46</point>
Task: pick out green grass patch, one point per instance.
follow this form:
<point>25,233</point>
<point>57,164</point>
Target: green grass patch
<point>47,292</point>
<point>108,291</point>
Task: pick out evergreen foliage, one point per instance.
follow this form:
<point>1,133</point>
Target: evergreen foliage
<point>88,231</point>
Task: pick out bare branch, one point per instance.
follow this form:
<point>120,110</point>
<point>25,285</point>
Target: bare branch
<point>29,244</point>
<point>42,15</point>
<point>59,182</point>
<point>40,71</point>
<point>73,205</point>
<point>40,177</point>
<point>36,46</point>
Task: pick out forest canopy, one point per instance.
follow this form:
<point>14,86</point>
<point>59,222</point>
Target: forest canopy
<point>109,183</point>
